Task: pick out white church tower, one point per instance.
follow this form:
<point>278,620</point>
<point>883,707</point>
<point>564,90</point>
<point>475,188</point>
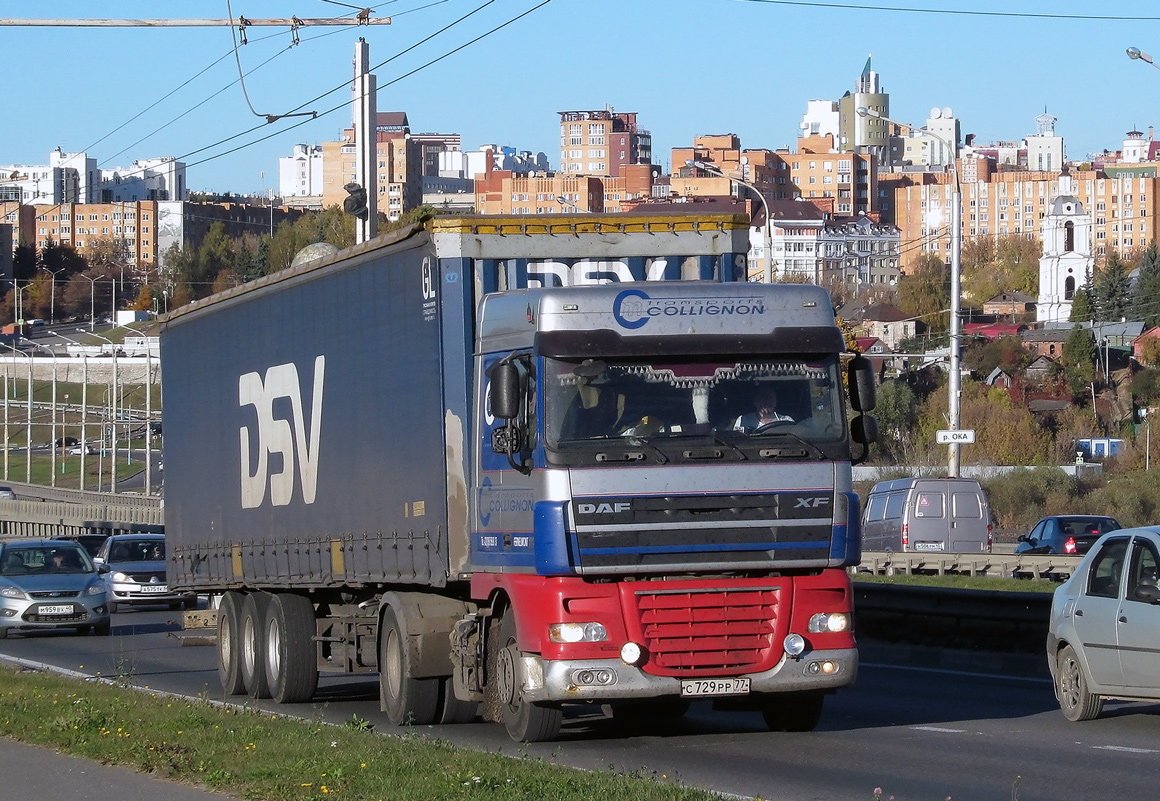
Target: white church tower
<point>1067,254</point>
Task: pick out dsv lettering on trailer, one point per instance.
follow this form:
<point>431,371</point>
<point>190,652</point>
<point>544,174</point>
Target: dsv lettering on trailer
<point>632,308</point>
<point>280,436</point>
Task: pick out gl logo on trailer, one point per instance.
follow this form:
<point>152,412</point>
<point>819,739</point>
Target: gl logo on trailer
<point>280,436</point>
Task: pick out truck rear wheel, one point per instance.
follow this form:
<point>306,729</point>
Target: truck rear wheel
<point>251,657</point>
<point>407,701</point>
<point>229,628</point>
<point>793,711</point>
<point>451,709</point>
<point>527,722</point>
<point>291,666</point>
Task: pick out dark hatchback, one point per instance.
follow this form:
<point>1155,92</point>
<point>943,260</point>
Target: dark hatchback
<point>1066,534</point>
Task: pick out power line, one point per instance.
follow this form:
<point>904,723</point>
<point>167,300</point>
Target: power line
<point>954,12</point>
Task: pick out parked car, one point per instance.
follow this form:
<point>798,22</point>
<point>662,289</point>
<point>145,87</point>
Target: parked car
<point>1103,638</point>
<point>134,570</point>
<point>6,494</point>
<point>1066,534</point>
<point>50,584</point>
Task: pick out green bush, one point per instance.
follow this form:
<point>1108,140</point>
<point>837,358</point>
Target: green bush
<point>1023,496</point>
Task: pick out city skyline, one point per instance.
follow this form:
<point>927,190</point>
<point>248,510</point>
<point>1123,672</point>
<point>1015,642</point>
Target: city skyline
<point>662,61</point>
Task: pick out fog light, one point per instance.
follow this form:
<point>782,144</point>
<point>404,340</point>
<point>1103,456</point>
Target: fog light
<point>824,622</point>
<point>8,612</point>
<point>794,644</point>
<point>827,667</point>
<point>631,653</point>
<point>588,677</point>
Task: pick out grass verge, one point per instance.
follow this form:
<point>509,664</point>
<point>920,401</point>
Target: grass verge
<point>254,755</point>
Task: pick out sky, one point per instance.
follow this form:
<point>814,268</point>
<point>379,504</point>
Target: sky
<point>498,71</point>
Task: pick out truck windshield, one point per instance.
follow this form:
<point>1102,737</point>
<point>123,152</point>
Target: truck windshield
<point>738,400</point>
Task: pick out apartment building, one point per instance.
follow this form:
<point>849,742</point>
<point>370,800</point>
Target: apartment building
<point>131,228</point>
<point>300,175</point>
<point>504,192</point>
<point>818,173</point>
<point>1120,201</point>
<point>602,143</point>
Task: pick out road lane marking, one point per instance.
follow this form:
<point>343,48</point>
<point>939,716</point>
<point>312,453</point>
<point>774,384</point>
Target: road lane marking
<point>1125,749</point>
<point>938,728</point>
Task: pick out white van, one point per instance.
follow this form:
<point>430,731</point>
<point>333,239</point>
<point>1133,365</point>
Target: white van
<point>927,514</point>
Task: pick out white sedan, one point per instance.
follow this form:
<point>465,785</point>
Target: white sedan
<point>1104,638</point>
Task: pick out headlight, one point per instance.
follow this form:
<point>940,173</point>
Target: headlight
<point>577,632</point>
<point>11,592</point>
<point>96,588</point>
<point>118,576</point>
<point>829,623</point>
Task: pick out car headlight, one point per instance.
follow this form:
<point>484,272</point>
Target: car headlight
<point>119,576</point>
<point>577,632</point>
<point>96,588</point>
<point>12,592</point>
<point>829,623</point>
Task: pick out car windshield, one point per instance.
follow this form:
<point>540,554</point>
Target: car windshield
<point>590,399</point>
<point>23,560</point>
<point>136,551</point>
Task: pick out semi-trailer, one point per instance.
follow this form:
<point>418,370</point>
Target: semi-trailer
<point>510,465</point>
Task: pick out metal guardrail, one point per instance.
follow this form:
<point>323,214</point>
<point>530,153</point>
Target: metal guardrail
<point>1034,566</point>
<point>39,492</point>
<point>971,620</point>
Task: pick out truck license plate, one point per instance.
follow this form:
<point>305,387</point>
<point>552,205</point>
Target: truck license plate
<point>154,589</point>
<point>55,609</point>
<point>928,546</point>
<point>729,686</point>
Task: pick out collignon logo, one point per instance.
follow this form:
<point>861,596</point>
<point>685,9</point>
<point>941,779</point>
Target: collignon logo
<point>632,308</point>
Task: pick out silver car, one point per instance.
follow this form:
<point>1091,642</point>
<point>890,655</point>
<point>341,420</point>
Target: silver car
<point>134,570</point>
<point>50,584</point>
<point>1104,637</point>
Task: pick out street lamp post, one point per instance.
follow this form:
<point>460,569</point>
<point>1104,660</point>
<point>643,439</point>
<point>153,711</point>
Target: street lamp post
<point>52,293</point>
<point>52,353</point>
<point>955,380</point>
<point>92,300</point>
<point>1136,54</point>
<point>28,422</point>
<point>113,416</point>
<point>767,275</point>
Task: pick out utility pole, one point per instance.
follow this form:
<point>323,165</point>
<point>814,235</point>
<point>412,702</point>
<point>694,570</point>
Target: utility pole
<point>365,119</point>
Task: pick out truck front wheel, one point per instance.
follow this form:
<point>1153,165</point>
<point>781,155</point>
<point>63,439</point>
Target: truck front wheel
<point>528,722</point>
<point>291,667</point>
<point>229,628</point>
<point>251,657</point>
<point>407,701</point>
<point>793,711</point>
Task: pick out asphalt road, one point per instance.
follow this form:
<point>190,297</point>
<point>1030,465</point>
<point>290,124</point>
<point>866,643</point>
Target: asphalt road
<point>917,734</point>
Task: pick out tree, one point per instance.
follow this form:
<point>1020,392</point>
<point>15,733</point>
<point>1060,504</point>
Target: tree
<point>1005,352</point>
<point>1082,309</point>
<point>1146,295</point>
<point>991,266</point>
<point>144,299</point>
<point>1079,358</point>
<point>1112,291</point>
<point>897,414</point>
<point>215,254</point>
<point>1150,351</point>
<point>23,261</point>
<point>925,293</point>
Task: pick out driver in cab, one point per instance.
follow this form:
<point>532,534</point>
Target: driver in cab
<point>764,412</point>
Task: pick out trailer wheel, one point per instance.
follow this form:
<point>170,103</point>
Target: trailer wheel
<point>229,629</point>
<point>528,722</point>
<point>451,709</point>
<point>251,657</point>
<point>291,666</point>
<point>407,701</point>
<point>793,711</point>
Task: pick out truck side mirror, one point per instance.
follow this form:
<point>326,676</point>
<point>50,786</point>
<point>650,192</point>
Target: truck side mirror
<point>505,391</point>
<point>863,392</point>
<point>864,429</point>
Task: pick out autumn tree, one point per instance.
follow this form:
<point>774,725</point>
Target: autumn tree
<point>925,292</point>
<point>1007,353</point>
<point>1009,263</point>
<point>896,413</point>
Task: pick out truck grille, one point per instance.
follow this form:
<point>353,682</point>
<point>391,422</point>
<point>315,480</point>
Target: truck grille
<point>708,632</point>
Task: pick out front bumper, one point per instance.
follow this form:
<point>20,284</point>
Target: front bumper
<point>125,593</point>
<point>559,681</point>
<point>39,614</point>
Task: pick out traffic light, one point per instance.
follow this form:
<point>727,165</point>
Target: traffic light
<point>356,201</point>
